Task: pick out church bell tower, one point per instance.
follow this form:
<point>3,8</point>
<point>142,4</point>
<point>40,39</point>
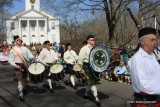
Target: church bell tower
<point>32,4</point>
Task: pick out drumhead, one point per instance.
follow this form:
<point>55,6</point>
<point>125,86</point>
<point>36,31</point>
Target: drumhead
<point>36,68</point>
<point>99,58</point>
<point>76,67</point>
<point>56,68</point>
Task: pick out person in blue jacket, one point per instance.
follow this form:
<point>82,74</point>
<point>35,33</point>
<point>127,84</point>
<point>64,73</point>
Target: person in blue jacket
<point>121,72</point>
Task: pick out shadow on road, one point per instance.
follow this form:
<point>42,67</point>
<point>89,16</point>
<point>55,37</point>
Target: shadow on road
<point>35,89</point>
<point>7,102</point>
<point>55,86</point>
<point>101,96</point>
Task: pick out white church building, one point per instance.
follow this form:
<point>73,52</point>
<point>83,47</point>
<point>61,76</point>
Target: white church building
<point>33,25</point>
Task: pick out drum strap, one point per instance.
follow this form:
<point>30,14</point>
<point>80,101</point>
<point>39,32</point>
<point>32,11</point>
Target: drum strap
<point>94,74</point>
<point>23,59</point>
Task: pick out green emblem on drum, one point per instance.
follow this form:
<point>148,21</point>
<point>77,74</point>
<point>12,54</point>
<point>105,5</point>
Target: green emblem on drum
<point>100,58</point>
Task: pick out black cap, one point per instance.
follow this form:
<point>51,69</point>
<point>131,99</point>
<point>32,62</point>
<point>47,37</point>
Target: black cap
<point>90,36</point>
<point>45,42</point>
<point>146,31</point>
<point>15,37</point>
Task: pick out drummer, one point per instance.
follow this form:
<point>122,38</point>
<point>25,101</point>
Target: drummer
<point>17,57</point>
<point>48,57</point>
<point>83,61</point>
<point>70,57</point>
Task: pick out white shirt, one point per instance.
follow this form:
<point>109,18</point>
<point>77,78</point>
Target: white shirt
<point>145,73</point>
<point>84,54</point>
<point>14,58</point>
<point>47,56</point>
<point>70,57</point>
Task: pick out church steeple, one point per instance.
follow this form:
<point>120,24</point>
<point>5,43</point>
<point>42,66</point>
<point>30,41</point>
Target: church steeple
<point>32,4</point>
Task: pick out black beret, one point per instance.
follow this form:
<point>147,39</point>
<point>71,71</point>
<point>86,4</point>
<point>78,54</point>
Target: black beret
<point>45,42</point>
<point>146,31</point>
<point>90,36</point>
<point>15,37</point>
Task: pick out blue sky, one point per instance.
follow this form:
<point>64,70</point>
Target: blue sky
<point>17,6</point>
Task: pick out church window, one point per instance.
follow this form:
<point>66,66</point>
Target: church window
<point>42,26</point>
<point>53,37</point>
<point>33,25</point>
<point>24,26</point>
<point>33,36</point>
<point>53,25</point>
<point>12,25</point>
<point>42,35</point>
<point>24,35</point>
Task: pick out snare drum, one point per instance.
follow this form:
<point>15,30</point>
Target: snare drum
<point>36,72</point>
<point>76,67</point>
<point>77,70</point>
<point>57,72</point>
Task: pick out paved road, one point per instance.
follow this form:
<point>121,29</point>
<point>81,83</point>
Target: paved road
<point>111,94</point>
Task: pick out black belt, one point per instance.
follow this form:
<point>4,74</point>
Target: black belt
<point>50,63</point>
<point>84,63</point>
<point>147,97</point>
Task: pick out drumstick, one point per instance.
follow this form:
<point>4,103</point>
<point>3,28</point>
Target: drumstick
<point>21,69</point>
<point>86,76</point>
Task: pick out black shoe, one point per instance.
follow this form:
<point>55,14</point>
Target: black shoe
<point>21,98</point>
<point>98,103</point>
<point>86,97</point>
<point>75,87</point>
<point>51,90</point>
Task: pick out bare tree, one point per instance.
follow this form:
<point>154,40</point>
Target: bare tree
<point>113,10</point>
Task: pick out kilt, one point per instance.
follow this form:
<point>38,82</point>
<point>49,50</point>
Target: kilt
<point>69,69</point>
<point>146,101</point>
<point>18,74</point>
<point>88,71</point>
<point>47,73</point>
<point>146,105</point>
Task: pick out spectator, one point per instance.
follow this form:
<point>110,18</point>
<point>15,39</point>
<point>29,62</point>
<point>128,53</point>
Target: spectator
<point>37,52</point>
<point>61,50</point>
<point>127,77</point>
<point>84,43</point>
<point>55,47</point>
<point>121,72</point>
<point>125,56</point>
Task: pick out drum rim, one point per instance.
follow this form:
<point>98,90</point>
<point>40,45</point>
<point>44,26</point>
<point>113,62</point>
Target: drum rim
<point>108,55</point>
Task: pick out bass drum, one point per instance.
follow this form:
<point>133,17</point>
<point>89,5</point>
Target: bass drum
<point>36,71</point>
<point>57,72</point>
<point>102,57</point>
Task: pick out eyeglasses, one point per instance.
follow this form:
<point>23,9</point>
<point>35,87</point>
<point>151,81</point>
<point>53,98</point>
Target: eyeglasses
<point>48,44</point>
<point>152,39</point>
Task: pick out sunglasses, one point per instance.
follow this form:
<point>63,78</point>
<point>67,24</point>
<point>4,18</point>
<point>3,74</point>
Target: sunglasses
<point>92,40</point>
<point>18,40</point>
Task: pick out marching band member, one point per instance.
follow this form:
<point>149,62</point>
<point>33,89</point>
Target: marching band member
<point>145,70</point>
<point>17,58</point>
<point>83,61</point>
<point>70,58</point>
<point>48,57</point>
